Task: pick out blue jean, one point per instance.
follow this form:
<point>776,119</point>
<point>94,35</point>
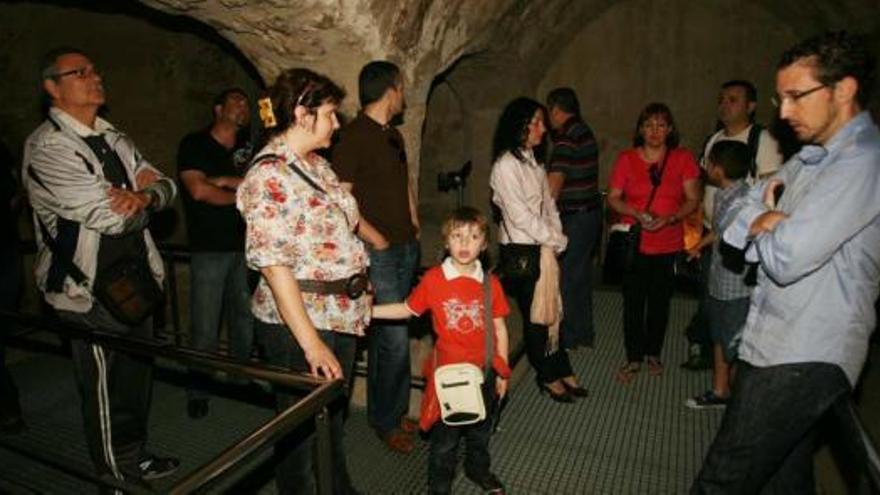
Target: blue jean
<point>218,285</point>
<point>576,283</point>
<point>727,319</point>
<point>388,374</point>
<point>293,454</point>
<point>766,440</point>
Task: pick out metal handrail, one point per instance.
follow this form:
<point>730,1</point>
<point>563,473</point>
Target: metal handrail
<point>314,404</point>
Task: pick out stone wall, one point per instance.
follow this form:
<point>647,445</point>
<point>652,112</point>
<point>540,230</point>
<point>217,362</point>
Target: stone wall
<point>160,74</point>
<point>623,57</point>
<point>674,51</point>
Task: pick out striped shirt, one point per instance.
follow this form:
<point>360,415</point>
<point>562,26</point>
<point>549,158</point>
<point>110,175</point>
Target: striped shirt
<point>576,156</point>
<point>728,270</point>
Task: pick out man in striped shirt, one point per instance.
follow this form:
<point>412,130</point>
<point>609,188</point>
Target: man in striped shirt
<point>573,173</point>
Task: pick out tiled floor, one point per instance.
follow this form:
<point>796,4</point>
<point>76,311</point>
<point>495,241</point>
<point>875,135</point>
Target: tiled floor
<point>622,439</point>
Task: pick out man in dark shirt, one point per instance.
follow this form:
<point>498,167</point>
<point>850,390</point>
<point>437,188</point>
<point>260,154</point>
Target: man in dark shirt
<point>210,164</point>
<point>573,174</point>
<point>370,160</point>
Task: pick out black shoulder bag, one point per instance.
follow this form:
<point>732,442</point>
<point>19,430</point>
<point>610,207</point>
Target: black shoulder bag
<point>126,289</point>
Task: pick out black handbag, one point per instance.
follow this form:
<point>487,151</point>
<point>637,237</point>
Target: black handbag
<point>620,253</point>
<point>521,261</point>
<point>128,290</point>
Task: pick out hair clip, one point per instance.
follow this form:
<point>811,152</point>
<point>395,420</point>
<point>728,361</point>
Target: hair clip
<point>266,113</point>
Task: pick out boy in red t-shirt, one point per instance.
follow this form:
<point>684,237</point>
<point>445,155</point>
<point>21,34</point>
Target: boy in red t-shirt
<point>453,292</point>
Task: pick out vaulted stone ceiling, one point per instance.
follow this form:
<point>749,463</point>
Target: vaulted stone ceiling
<point>510,40</point>
<point>426,36</point>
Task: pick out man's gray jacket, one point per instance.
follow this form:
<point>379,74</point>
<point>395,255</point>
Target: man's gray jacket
<point>69,193</point>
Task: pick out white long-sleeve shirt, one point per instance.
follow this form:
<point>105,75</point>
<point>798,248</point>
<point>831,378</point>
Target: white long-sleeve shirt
<point>521,191</point>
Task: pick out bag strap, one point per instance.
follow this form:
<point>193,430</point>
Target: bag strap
<point>66,261</point>
<point>489,326</point>
<point>660,181</point>
<point>294,167</point>
<point>753,142</point>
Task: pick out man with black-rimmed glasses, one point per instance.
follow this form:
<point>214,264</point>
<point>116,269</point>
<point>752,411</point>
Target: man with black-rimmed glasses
<point>92,192</point>
<point>817,242</point>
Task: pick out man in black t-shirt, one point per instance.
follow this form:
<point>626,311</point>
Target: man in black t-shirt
<point>210,165</point>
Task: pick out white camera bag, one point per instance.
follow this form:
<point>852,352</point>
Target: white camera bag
<point>459,386</point>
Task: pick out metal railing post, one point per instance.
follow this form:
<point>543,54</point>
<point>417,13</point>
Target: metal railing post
<point>171,270</point>
<point>324,452</point>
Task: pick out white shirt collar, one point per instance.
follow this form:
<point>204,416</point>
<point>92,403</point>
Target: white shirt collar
<point>450,271</point>
<point>78,127</point>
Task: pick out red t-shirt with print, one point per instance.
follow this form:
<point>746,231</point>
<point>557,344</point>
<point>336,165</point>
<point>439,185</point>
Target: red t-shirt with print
<point>630,174</point>
<point>457,313</point>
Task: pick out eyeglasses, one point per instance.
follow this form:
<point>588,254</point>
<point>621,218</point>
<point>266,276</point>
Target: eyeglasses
<point>794,96</point>
<point>80,73</point>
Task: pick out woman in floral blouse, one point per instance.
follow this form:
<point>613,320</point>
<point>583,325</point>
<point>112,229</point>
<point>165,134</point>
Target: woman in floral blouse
<point>309,304</point>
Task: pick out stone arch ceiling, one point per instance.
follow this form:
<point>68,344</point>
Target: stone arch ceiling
<point>426,36</point>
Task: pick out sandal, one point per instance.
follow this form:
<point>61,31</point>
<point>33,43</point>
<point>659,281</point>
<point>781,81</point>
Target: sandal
<point>627,373</point>
<point>655,366</point>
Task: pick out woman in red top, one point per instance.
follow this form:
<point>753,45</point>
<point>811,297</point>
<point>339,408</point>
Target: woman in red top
<point>654,161</point>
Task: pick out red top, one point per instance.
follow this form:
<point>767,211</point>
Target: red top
<point>457,314</point>
<point>630,174</point>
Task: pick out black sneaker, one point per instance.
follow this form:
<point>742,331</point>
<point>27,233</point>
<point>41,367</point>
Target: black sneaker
<point>197,408</point>
<point>490,484</point>
<point>155,467</point>
<point>706,400</point>
<point>12,424</point>
<point>697,362</point>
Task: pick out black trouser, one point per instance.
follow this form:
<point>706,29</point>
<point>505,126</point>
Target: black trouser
<point>443,455</point>
<point>698,331</point>
<point>115,389</point>
<point>549,367</point>
<point>294,471</point>
<point>647,291</point>
<point>10,282</point>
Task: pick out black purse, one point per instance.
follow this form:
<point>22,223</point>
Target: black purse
<point>519,261</point>
<point>126,289</point>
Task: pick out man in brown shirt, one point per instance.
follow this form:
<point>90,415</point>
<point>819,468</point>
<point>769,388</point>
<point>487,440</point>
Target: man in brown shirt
<point>370,160</point>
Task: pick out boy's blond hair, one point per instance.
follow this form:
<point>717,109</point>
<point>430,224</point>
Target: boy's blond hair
<point>465,215</point>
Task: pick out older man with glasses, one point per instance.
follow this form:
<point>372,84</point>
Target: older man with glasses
<point>92,193</point>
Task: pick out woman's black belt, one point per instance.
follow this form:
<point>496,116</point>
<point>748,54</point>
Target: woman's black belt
<point>353,286</point>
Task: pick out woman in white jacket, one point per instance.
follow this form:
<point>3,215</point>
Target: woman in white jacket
<point>529,220</point>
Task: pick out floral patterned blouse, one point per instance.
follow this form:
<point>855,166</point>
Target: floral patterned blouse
<point>291,223</point>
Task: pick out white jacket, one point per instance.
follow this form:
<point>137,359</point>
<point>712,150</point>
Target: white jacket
<point>64,179</point>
